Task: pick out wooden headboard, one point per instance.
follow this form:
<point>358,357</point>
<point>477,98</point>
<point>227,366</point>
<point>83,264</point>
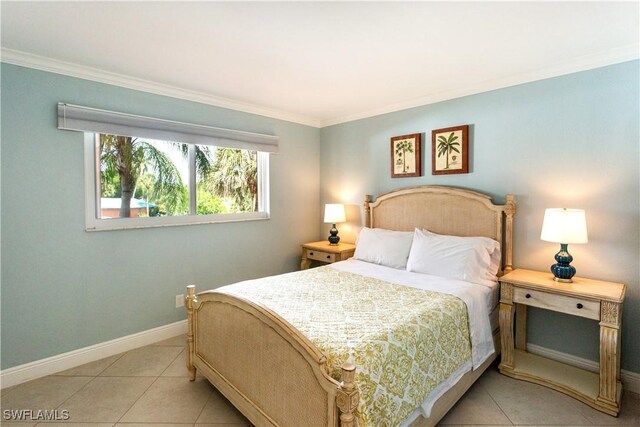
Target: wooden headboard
<point>445,210</point>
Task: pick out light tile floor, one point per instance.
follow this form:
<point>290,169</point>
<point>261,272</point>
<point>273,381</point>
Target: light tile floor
<point>149,386</point>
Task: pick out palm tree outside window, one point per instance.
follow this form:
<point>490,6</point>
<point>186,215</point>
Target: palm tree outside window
<point>154,177</point>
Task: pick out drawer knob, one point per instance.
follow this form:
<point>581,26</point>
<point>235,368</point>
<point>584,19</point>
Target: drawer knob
<point>528,296</point>
<point>328,256</point>
<point>579,305</point>
<point>310,253</point>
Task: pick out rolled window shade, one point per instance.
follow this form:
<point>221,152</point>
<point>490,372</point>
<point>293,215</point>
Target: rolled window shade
<point>87,119</point>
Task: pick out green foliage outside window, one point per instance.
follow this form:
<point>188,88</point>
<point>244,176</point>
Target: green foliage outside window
<point>134,168</point>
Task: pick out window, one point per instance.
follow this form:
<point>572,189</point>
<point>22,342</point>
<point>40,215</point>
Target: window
<point>153,180</point>
<point>198,175</point>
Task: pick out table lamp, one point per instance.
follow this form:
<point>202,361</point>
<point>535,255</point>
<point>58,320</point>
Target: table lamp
<point>564,226</point>
<point>334,213</point>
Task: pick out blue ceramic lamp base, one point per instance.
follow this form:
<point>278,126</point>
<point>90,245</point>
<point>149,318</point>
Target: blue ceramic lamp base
<point>333,238</point>
<point>563,271</point>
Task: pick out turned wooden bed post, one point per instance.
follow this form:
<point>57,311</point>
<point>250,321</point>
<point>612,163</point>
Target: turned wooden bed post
<point>509,210</point>
<point>191,300</point>
<point>367,211</point>
<point>348,396</point>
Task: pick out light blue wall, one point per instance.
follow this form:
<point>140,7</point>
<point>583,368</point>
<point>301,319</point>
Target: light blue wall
<point>570,141</point>
<point>64,288</point>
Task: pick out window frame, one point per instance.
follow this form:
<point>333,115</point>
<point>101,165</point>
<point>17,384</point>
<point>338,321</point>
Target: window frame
<point>92,196</point>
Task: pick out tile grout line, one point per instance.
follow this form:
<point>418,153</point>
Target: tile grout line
<point>77,391</point>
<point>173,360</point>
<point>150,385</point>
<point>513,423</point>
<point>136,401</point>
<point>84,386</point>
<point>93,377</point>
<point>204,406</point>
<point>497,404</point>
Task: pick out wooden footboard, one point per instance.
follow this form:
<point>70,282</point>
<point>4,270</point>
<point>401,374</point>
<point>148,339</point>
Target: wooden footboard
<point>264,366</point>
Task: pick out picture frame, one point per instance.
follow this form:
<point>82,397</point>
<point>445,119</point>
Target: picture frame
<point>450,150</point>
<point>406,156</point>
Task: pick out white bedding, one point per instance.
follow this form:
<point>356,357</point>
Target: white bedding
<point>478,298</point>
<point>480,301</point>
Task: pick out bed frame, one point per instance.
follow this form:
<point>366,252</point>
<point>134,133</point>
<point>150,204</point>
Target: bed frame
<point>273,374</point>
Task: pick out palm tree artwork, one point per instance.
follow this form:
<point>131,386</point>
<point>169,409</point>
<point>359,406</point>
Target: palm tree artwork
<point>403,147</point>
<point>448,145</point>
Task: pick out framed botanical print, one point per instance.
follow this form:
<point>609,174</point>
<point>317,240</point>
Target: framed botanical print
<point>405,156</point>
<point>450,150</point>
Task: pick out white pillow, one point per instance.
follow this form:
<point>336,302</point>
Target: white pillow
<point>384,247</point>
<point>491,245</point>
<point>472,259</point>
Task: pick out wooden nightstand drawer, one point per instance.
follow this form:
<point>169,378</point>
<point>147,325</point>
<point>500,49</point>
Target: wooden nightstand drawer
<point>321,256</point>
<point>563,304</point>
<point>324,252</point>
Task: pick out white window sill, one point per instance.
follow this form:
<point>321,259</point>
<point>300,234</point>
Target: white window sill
<point>170,221</point>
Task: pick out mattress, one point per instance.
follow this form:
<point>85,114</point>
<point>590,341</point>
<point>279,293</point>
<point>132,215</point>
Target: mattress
<point>480,299</point>
<point>483,298</point>
<point>356,310</point>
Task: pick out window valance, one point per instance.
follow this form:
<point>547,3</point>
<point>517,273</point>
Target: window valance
<point>87,119</point>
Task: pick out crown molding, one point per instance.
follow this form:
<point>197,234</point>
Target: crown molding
<point>42,63</point>
<point>583,63</point>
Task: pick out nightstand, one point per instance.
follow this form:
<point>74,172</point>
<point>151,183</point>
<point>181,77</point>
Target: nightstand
<point>592,299</point>
<point>324,252</point>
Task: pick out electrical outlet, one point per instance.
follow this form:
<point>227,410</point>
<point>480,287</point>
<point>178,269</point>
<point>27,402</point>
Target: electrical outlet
<point>179,300</point>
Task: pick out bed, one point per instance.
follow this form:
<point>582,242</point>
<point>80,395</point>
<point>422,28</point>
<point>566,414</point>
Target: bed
<point>278,376</point>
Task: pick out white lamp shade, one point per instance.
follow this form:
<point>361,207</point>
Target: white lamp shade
<point>334,213</point>
<point>563,225</point>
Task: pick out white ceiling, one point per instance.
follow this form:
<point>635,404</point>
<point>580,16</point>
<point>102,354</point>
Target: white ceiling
<point>318,63</point>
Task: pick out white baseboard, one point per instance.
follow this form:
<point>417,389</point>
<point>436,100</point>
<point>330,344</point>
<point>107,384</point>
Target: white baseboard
<point>630,380</point>
<point>71,359</point>
<point>40,368</point>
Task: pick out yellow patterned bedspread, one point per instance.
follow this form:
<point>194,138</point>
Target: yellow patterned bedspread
<point>404,341</point>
